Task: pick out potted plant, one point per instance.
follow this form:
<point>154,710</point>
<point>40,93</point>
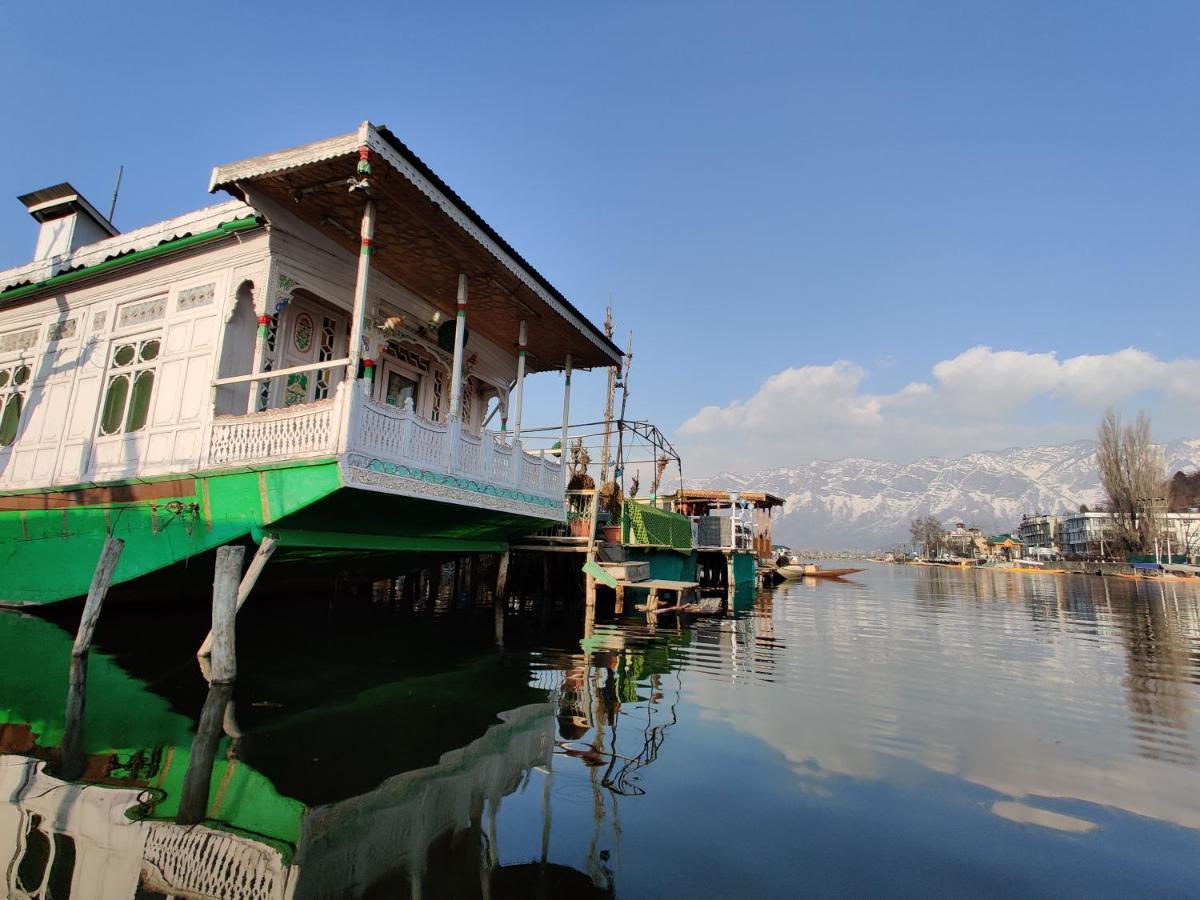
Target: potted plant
<point>611,501</point>
<point>578,519</point>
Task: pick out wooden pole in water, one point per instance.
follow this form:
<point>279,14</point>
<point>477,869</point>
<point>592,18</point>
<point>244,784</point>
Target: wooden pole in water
<point>226,575</point>
<point>73,758</point>
<point>620,605</point>
<point>500,600</point>
<point>249,580</point>
<point>193,799</point>
<point>107,564</point>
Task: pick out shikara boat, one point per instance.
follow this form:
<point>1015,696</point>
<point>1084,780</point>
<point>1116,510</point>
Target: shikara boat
<point>811,570</point>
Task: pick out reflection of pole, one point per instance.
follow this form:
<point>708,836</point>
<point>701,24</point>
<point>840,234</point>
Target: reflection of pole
<point>193,799</point>
<point>547,785</point>
<point>73,762</point>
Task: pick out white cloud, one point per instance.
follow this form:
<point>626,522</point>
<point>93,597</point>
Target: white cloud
<point>976,400</point>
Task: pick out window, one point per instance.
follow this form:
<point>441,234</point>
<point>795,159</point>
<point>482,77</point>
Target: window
<point>399,388</point>
<point>130,386</point>
<point>14,382</point>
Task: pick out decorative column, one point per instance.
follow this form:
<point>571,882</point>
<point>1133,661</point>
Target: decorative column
<point>460,336</point>
<point>358,322</point>
<point>562,456</point>
<point>522,342</point>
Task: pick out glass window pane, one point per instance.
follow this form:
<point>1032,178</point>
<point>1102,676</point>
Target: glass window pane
<point>139,401</point>
<point>399,389</point>
<point>114,404</point>
<point>296,390</point>
<point>149,350</point>
<point>10,419</point>
<point>21,375</point>
<point>123,355</point>
<point>3,377</point>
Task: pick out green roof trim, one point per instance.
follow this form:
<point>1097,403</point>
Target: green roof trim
<point>171,246</point>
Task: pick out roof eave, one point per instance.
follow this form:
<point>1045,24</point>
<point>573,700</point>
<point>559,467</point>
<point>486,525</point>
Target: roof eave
<point>403,160</point>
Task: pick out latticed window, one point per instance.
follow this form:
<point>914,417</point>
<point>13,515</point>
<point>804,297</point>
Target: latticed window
<point>14,382</point>
<point>325,354</point>
<point>130,386</point>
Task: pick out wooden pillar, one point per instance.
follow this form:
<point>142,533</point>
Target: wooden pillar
<point>359,316</point>
<point>264,552</point>
<point>460,333</point>
<point>620,604</point>
<point>73,759</point>
<point>226,575</point>
<point>519,397</point>
<point>193,798</point>
<point>500,600</point>
<point>562,443</point>
<point>101,579</point>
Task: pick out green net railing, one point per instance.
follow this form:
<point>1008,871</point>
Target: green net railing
<point>647,526</point>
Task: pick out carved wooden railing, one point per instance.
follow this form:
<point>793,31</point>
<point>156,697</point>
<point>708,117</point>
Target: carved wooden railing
<point>351,422</point>
<point>400,436</point>
<point>309,429</point>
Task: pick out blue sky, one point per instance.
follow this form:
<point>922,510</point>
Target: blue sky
<point>802,210</point>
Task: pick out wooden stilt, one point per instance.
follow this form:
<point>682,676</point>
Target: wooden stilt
<point>193,799</point>
<point>261,556</point>
<point>73,759</point>
<point>500,600</point>
<point>619,608</point>
<point>102,578</point>
<point>226,575</point>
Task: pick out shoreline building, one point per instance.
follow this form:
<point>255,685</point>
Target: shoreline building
<point>294,363</point>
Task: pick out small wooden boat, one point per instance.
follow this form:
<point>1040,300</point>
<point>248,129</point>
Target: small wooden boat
<point>811,570</point>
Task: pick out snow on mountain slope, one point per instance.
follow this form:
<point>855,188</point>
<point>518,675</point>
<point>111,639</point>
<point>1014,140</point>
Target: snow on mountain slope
<point>866,504</point>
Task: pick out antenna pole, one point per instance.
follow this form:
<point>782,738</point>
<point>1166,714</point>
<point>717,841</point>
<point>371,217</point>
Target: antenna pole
<point>608,401</point>
<point>116,190</point>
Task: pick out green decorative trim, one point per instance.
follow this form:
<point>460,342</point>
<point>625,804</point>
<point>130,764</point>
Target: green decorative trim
<point>136,256</point>
<point>463,484</point>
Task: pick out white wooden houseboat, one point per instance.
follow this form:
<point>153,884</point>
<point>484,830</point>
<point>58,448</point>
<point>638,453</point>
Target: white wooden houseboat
<point>293,362</point>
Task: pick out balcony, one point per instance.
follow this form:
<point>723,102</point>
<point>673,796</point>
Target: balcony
<point>393,450</point>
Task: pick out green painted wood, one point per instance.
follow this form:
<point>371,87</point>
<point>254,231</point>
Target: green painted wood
<point>50,555</point>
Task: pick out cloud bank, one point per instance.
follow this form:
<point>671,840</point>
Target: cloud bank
<point>980,399</point>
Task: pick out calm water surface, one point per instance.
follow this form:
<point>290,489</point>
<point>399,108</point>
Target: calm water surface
<point>913,732</point>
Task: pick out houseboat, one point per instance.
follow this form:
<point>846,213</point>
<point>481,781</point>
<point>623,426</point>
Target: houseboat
<point>732,530</point>
<point>333,358</point>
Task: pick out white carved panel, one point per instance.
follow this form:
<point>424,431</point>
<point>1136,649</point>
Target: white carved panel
<point>168,391</point>
<point>56,400</point>
<point>83,414</point>
<point>187,447</point>
<point>204,332</point>
<point>159,448</point>
<point>195,388</point>
<point>177,338</point>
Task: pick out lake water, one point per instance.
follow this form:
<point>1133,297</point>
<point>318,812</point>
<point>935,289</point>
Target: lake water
<point>909,732</point>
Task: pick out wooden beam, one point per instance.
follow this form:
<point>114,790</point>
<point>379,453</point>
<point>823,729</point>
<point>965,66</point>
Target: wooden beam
<point>110,554</point>
<point>263,554</point>
<point>226,575</point>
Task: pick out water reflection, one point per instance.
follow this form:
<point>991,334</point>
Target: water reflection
<point>953,721</point>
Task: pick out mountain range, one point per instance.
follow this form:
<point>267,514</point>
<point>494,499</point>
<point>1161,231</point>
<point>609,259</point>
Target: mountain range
<point>865,504</point>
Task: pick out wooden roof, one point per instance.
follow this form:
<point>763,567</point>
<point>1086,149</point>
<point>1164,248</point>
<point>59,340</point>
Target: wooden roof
<point>425,235</point>
<point>758,498</point>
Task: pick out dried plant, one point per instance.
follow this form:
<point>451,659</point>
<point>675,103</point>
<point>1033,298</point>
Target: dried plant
<point>659,467</point>
<point>580,480</point>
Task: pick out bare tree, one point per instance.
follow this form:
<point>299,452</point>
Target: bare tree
<point>1133,476</point>
<point>927,532</point>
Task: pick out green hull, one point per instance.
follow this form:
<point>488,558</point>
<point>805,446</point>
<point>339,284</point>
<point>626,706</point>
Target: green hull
<point>50,554</point>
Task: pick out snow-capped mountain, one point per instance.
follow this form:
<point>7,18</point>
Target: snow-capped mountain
<point>867,504</point>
